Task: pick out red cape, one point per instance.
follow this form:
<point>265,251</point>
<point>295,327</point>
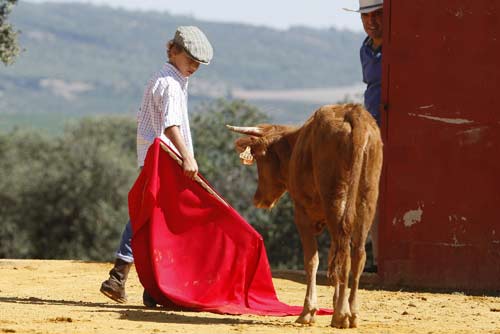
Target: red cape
<point>195,251</point>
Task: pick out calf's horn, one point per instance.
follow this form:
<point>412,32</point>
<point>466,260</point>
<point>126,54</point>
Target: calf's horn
<point>246,130</point>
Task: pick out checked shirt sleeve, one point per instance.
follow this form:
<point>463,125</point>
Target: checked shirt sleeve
<point>173,107</point>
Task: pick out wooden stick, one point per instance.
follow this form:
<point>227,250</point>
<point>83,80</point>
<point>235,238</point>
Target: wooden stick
<point>200,181</point>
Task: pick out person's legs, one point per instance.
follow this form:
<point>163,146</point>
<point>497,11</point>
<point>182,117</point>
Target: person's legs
<point>114,286</point>
<point>373,236</point>
<point>124,251</point>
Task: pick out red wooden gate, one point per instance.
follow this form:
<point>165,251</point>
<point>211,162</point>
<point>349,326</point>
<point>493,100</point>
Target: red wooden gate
<point>440,200</point>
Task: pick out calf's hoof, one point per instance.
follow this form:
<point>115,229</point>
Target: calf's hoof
<point>307,318</point>
<point>353,321</point>
<point>340,321</point>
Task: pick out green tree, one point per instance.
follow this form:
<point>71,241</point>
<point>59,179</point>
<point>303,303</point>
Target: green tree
<point>65,197</point>
<point>20,154</point>
<point>215,153</point>
<point>9,48</point>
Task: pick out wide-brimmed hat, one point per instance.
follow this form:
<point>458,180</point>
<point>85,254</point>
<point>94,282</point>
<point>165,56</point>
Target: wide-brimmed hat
<point>195,43</point>
<point>367,6</point>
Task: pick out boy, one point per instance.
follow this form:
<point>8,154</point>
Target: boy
<point>163,114</point>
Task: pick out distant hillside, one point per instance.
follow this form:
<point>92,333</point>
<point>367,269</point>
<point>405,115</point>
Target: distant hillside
<point>83,59</point>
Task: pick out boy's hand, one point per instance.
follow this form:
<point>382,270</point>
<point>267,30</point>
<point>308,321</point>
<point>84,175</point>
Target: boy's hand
<point>190,167</point>
<point>189,164</point>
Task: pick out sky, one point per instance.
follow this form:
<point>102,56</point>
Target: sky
<point>280,14</point>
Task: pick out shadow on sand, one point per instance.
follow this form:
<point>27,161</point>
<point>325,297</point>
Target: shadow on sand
<point>193,318</point>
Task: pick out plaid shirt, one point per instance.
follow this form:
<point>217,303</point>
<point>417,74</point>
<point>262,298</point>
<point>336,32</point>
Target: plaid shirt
<point>164,104</point>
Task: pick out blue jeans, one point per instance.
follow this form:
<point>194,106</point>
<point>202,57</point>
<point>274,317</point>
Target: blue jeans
<point>124,251</point>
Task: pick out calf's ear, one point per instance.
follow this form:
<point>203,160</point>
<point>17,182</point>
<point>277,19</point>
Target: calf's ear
<point>242,143</point>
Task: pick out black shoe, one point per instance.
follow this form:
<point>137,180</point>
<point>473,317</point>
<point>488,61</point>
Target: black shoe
<point>371,269</point>
<point>147,300</point>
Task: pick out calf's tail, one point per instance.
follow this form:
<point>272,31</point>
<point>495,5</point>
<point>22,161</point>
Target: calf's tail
<point>359,141</point>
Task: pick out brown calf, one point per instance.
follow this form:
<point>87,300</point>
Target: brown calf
<point>331,167</point>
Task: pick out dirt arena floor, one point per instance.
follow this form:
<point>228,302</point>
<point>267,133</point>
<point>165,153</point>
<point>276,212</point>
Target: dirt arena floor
<point>63,297</point>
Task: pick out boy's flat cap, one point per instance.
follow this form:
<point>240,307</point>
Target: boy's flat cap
<point>195,43</point>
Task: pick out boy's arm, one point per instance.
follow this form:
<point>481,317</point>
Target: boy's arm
<point>189,164</point>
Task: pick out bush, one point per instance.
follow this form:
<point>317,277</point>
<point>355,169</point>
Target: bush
<point>69,193</point>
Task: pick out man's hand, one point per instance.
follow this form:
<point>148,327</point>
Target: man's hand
<point>190,167</point>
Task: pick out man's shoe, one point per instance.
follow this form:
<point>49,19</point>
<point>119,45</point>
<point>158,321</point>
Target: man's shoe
<point>114,286</point>
<point>147,300</point>
<point>371,269</point>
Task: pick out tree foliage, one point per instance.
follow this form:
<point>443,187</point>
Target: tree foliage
<point>66,197</point>
<point>9,48</point>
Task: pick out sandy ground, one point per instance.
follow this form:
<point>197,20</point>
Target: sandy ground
<point>63,297</point>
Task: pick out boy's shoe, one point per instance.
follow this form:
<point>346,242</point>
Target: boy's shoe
<point>147,300</point>
<point>114,286</point>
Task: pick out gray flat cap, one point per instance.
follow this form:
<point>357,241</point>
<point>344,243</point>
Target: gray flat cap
<point>195,43</point>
